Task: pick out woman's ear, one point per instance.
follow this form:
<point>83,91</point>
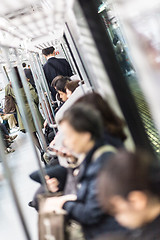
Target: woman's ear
<point>138,200</point>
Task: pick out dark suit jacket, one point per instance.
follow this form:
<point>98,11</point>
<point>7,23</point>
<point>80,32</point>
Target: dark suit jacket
<point>54,67</point>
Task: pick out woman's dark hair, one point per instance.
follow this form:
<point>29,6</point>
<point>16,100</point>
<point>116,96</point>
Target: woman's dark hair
<point>126,172</point>
<point>72,85</point>
<point>60,84</point>
<point>54,81</point>
<point>112,123</point>
<point>84,118</point>
<point>48,51</point>
<point>18,78</point>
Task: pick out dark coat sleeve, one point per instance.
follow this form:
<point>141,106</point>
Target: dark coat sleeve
<point>88,212</point>
<point>87,209</point>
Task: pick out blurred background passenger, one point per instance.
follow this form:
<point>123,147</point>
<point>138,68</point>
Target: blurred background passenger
<point>29,76</point>
<point>129,188</point>
<point>35,101</point>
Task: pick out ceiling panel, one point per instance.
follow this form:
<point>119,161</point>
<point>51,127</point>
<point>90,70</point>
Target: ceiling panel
<point>32,20</point>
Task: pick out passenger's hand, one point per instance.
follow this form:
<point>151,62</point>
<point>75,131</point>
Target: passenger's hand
<point>45,124</point>
<point>56,203</point>
<point>52,184</point>
<point>52,143</point>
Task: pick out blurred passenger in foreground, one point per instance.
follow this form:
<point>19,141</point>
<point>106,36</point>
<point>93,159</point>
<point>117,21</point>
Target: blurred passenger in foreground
<point>82,129</point>
<point>129,188</point>
<point>113,135</point>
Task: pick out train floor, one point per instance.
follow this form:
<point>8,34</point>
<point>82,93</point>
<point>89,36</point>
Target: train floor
<point>22,162</point>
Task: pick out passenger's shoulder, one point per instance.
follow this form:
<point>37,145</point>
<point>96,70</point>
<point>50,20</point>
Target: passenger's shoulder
<point>103,152</point>
<point>114,236</point>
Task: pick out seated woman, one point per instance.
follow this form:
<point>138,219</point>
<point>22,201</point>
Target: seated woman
<point>129,188</point>
<point>71,87</point>
<point>58,84</point>
<point>82,129</point>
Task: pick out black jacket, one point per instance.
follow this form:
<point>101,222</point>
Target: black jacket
<point>54,67</point>
<point>29,75</point>
<point>151,231</point>
<point>86,209</point>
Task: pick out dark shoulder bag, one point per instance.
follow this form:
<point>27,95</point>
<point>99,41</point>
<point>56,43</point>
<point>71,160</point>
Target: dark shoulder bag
<point>9,104</point>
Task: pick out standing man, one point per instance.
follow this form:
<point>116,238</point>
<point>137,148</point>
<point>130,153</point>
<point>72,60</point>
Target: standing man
<point>54,67</point>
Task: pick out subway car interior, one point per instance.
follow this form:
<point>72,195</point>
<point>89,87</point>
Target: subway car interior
<point>108,49</point>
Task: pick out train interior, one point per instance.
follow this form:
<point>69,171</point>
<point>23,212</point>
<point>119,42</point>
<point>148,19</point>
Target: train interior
<point>115,54</point>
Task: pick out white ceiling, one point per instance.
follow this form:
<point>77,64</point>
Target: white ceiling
<point>31,22</point>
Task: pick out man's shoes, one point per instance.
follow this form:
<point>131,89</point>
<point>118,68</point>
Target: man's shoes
<point>15,129</point>
<point>9,150</point>
<point>9,140</point>
<point>12,137</point>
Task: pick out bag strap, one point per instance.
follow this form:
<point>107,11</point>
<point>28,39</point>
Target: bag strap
<point>103,149</point>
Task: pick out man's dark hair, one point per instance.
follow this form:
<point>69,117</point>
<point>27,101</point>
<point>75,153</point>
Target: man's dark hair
<point>126,172</point>
<point>84,118</point>
<point>23,65</point>
<point>60,84</point>
<point>48,51</point>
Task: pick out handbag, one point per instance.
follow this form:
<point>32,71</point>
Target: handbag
<point>51,224</point>
<point>54,225</point>
<point>9,104</point>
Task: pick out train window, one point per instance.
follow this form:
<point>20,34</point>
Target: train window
<point>142,31</point>
<point>115,29</point>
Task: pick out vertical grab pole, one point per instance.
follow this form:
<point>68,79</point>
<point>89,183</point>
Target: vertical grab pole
<point>21,105</point>
<point>44,81</point>
<point>30,102</point>
<point>11,184</point>
<point>38,86</point>
<point>43,88</point>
